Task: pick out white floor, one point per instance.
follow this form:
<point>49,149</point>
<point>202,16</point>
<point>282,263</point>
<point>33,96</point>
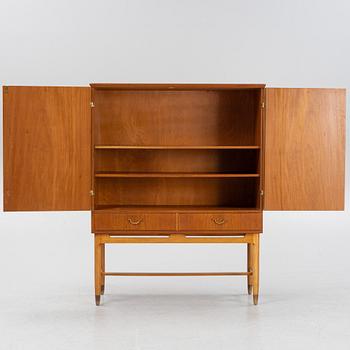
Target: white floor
<point>318,319</point>
<point>47,299</point>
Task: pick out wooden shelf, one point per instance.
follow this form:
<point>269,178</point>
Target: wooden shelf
<point>171,208</point>
<point>163,174</point>
<point>159,148</point>
<point>174,147</point>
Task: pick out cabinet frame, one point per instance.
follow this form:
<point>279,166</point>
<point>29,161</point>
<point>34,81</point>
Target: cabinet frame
<point>294,132</point>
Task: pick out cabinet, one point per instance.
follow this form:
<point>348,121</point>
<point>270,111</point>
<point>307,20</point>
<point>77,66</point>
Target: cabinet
<point>174,163</point>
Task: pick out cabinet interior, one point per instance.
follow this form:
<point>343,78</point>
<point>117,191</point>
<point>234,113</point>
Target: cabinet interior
<point>177,149</point>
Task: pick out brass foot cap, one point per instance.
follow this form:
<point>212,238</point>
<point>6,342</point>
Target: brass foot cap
<point>97,299</point>
<point>255,299</point>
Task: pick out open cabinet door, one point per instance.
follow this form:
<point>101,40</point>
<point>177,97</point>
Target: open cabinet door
<point>47,148</point>
<point>304,149</point>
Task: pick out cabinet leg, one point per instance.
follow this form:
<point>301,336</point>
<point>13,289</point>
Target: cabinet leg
<point>249,269</point>
<point>255,266</point>
<point>98,269</point>
<point>103,269</point>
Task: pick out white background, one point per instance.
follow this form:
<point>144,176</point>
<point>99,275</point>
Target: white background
<point>46,259</point>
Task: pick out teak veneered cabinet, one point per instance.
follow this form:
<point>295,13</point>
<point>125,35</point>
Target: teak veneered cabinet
<point>174,163</point>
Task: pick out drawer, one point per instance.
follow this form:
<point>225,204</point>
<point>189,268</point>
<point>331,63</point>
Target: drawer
<point>134,221</point>
<point>224,221</point>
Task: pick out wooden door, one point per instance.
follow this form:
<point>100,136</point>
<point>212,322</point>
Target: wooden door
<point>304,149</point>
<point>47,148</point>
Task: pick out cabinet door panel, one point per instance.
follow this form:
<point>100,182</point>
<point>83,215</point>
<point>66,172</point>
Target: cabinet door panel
<point>304,149</point>
<point>47,148</point>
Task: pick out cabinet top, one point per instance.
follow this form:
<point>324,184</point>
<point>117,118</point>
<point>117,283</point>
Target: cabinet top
<point>136,86</point>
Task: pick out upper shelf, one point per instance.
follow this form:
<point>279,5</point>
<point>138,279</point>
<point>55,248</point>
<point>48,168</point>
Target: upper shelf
<point>174,147</point>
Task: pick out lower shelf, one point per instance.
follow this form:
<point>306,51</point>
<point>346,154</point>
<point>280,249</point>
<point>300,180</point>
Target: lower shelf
<point>173,174</point>
<point>210,192</point>
<point>175,208</point>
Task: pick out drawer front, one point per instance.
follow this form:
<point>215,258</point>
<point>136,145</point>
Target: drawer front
<point>134,221</point>
<point>220,221</point>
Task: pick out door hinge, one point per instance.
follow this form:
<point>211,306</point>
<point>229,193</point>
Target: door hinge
<point>261,192</point>
<point>262,104</point>
<point>92,193</point>
<point>92,104</point>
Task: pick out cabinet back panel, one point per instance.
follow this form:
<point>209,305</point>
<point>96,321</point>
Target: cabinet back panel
<point>240,193</point>
<point>221,161</point>
<point>176,117</point>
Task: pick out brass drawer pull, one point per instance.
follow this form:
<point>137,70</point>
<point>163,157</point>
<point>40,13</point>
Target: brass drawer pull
<point>134,222</point>
<point>219,221</point>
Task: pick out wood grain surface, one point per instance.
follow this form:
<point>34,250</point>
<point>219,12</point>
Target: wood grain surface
<point>223,192</point>
<point>135,221</point>
<point>197,161</point>
<point>217,221</point>
<point>305,149</point>
<point>47,143</point>
<point>182,118</point>
<point>181,87</point>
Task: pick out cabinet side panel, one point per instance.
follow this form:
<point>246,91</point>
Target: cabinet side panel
<point>305,149</point>
<point>47,148</point>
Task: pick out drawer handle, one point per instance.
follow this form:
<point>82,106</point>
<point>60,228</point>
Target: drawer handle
<point>134,222</point>
<point>219,221</point>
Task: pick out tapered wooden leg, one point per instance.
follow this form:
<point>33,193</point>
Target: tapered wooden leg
<point>103,269</point>
<point>249,269</point>
<point>98,269</point>
<point>255,266</point>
